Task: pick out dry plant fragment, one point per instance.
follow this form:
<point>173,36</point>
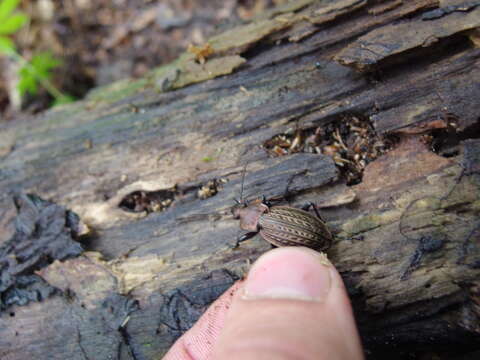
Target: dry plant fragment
<point>201,52</point>
<point>210,189</point>
<point>351,142</point>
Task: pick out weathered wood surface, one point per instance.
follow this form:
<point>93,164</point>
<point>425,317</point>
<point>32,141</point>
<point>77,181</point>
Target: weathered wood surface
<point>146,277</point>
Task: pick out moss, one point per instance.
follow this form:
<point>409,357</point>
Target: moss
<point>370,222</point>
<point>117,90</point>
<point>191,72</point>
<point>476,206</point>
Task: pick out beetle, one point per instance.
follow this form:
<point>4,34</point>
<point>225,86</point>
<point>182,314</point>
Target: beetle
<point>282,225</point>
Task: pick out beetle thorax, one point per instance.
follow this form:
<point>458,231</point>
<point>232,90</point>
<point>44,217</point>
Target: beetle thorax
<point>250,215</point>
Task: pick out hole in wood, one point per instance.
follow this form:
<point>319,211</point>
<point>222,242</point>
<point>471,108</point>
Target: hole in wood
<point>351,141</point>
<point>160,200</point>
<point>149,201</point>
<point>445,141</point>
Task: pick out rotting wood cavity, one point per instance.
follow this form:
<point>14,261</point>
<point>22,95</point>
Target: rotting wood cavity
<point>444,141</point>
<point>160,200</point>
<point>149,201</point>
<point>351,142</point>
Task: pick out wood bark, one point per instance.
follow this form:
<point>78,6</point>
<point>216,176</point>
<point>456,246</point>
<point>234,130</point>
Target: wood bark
<point>407,237</point>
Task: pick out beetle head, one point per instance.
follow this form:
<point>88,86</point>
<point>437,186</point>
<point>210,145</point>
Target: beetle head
<point>237,208</point>
<point>249,214</point>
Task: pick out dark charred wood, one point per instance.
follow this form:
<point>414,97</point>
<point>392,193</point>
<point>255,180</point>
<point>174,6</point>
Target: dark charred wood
<point>44,232</point>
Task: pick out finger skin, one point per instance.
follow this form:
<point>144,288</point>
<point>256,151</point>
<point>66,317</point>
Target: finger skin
<point>198,342</point>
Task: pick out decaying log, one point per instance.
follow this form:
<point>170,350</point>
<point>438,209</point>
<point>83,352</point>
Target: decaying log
<point>152,166</point>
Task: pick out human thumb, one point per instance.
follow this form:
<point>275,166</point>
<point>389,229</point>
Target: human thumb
<point>293,305</point>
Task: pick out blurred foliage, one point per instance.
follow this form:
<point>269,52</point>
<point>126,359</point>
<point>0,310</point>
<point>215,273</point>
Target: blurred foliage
<point>36,72</point>
<point>38,68</point>
<point>10,22</point>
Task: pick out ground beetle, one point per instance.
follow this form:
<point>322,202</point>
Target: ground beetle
<point>282,225</point>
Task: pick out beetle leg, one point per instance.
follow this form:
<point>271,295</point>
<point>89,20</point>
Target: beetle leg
<point>309,205</point>
<point>265,201</point>
<point>306,206</point>
<point>245,237</point>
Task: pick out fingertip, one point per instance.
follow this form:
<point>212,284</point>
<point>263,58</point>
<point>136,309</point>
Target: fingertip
<point>294,303</point>
<point>289,273</point>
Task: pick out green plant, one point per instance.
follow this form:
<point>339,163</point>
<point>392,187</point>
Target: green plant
<point>37,71</point>
<point>10,22</point>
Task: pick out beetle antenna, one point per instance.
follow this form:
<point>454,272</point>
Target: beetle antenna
<point>243,181</point>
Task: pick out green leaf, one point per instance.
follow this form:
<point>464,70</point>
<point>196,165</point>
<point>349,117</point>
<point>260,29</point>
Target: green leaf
<point>12,23</point>
<point>43,64</point>
<point>64,99</point>
<point>28,82</point>
<point>6,8</point>
<point>39,68</point>
<point>6,46</point>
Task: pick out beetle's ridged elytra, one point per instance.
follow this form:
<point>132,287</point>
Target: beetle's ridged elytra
<point>288,226</point>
